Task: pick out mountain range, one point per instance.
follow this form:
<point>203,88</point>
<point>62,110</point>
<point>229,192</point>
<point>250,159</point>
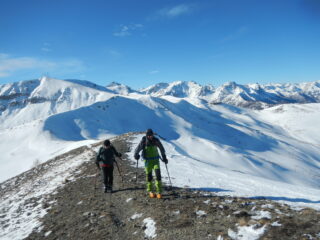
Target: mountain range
<point>254,96</point>
<point>40,119</point>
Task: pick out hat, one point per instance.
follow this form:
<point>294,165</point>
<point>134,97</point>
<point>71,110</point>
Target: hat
<point>107,142</point>
<point>149,132</point>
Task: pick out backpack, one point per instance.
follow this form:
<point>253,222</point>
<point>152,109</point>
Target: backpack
<point>106,155</point>
<point>151,149</point>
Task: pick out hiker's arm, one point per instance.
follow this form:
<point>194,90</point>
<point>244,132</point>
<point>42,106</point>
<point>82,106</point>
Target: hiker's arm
<point>138,149</point>
<point>116,152</point>
<point>163,152</point>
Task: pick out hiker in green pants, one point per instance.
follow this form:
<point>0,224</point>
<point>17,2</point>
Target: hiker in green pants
<point>149,145</point>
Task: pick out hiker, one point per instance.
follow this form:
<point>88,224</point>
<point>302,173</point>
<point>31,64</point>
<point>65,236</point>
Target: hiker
<point>104,162</point>
<point>150,154</point>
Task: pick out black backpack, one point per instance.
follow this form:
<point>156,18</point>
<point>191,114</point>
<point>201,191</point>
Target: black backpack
<point>106,155</point>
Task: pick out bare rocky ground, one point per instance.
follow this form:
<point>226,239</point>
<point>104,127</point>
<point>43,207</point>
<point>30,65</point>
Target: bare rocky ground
<point>80,211</point>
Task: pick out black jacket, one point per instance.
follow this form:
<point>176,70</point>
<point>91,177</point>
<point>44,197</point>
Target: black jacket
<point>106,155</point>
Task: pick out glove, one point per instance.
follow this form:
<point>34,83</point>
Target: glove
<point>136,156</point>
<point>165,160</point>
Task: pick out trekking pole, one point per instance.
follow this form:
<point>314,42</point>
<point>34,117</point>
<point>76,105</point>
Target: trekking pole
<point>169,177</point>
<point>119,172</point>
<point>137,172</point>
<point>95,183</point>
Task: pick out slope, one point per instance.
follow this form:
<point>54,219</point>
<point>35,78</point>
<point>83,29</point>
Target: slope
<point>58,199</point>
<point>24,108</point>
<point>220,137</point>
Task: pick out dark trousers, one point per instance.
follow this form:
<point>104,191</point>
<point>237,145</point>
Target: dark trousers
<point>107,174</point>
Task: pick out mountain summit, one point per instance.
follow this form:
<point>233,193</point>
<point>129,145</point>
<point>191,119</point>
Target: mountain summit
<point>180,89</point>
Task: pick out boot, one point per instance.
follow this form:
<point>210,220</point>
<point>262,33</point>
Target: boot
<point>152,195</point>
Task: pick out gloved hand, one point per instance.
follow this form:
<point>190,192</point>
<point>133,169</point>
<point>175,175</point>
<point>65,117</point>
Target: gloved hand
<point>137,157</point>
<point>165,160</point>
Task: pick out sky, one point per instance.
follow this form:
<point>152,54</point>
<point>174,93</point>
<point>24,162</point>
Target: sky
<point>144,42</point>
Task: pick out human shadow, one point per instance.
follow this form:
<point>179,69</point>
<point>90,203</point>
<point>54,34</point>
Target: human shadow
<point>209,189</point>
<point>127,189</point>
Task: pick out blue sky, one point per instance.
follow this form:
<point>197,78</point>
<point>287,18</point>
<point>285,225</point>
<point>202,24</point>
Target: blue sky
<point>140,43</point>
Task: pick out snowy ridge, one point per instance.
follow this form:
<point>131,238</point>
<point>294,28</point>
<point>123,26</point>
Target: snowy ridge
<point>24,102</point>
<point>252,95</point>
<point>180,89</point>
<point>24,208</point>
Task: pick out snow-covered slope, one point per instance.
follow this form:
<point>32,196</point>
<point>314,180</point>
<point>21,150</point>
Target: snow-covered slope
<point>203,140</point>
<point>24,107</point>
<point>24,102</point>
<point>220,136</point>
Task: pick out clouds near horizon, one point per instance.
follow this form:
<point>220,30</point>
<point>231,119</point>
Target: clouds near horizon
<point>10,65</point>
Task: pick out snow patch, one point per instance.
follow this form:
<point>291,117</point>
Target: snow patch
<point>136,215</point>
<point>150,225</point>
<point>252,232</point>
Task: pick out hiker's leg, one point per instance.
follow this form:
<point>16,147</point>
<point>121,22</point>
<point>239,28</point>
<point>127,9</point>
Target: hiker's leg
<point>110,176</point>
<point>104,175</point>
<point>158,183</point>
<point>148,170</point>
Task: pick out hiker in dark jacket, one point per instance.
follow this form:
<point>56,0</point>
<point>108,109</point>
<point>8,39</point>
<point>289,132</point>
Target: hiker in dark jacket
<point>104,162</point>
<point>149,145</point>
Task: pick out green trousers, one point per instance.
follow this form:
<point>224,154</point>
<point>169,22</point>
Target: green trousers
<point>150,166</point>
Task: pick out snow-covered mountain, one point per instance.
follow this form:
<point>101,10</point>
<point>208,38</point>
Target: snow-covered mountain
<point>41,119</point>
<point>180,89</point>
<point>252,95</point>
<point>120,88</point>
<point>25,101</point>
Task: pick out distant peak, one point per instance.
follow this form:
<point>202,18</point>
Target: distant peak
<point>43,78</point>
<point>114,84</point>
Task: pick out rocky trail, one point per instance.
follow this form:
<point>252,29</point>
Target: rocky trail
<point>78,210</point>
